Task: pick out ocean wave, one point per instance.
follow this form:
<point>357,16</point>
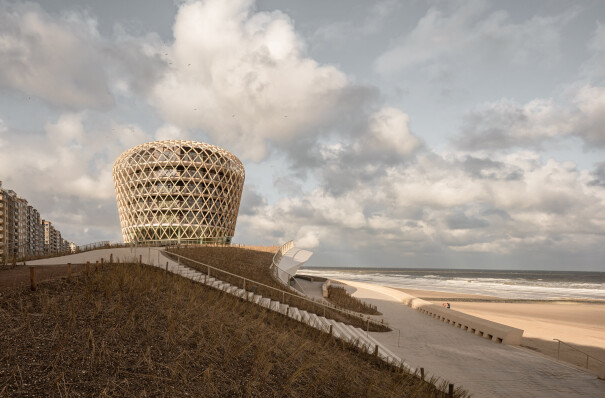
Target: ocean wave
<point>490,285</point>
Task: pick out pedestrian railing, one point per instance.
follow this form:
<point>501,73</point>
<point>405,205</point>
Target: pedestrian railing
<point>245,282</point>
<point>588,356</point>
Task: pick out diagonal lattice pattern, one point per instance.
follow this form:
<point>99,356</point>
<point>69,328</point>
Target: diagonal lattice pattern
<point>178,191</point>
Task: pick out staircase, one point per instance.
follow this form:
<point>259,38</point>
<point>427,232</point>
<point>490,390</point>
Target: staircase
<point>340,330</point>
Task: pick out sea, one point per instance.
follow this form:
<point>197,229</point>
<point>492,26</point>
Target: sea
<point>524,285</point>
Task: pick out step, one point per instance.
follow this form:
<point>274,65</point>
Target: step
<point>284,308</point>
<point>304,317</point>
<point>216,284</point>
<point>314,321</point>
<point>238,292</point>
<point>325,325</point>
<point>295,314</point>
<point>336,331</point>
<point>256,298</point>
<point>274,305</point>
<point>347,333</point>
<point>209,281</point>
<point>225,286</point>
<point>265,302</point>
<point>363,339</point>
<point>194,276</point>
<point>250,296</point>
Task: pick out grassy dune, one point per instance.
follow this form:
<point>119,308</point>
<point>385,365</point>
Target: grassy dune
<point>254,264</point>
<point>339,296</point>
<point>137,331</point>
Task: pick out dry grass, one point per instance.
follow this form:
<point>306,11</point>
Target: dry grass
<point>339,296</point>
<point>255,265</point>
<point>137,331</point>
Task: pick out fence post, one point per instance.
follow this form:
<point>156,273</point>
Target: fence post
<point>111,258</point>
<point>87,268</point>
<point>32,277</point>
<point>422,373</point>
<point>68,272</point>
<point>140,259</point>
<point>450,392</point>
<point>96,266</point>
<point>331,330</point>
<point>376,350</point>
<point>166,266</point>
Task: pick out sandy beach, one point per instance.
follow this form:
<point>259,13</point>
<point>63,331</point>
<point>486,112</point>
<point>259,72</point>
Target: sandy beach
<point>579,324</point>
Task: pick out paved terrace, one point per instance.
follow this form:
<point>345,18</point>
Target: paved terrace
<point>484,368</point>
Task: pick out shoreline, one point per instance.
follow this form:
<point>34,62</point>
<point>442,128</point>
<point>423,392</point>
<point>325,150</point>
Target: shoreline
<point>433,295</point>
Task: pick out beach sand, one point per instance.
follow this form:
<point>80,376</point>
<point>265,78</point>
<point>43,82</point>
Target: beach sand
<point>579,324</point>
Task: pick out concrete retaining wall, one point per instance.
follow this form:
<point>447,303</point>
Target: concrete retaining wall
<point>481,327</point>
<point>324,289</point>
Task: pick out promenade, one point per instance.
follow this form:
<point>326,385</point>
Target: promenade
<point>484,368</point>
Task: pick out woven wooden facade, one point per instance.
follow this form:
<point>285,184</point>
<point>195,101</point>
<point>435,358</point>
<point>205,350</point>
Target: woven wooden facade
<point>178,192</point>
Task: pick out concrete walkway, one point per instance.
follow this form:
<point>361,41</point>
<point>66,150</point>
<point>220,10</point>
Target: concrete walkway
<point>151,255</point>
<point>310,289</point>
<point>484,368</point>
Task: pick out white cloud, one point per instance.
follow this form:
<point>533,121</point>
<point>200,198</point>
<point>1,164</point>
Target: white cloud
<point>243,77</point>
<point>170,132</point>
<point>389,132</point>
<point>506,124</point>
<point>67,160</point>
<point>467,30</point>
<point>63,59</point>
<point>590,102</point>
<point>447,204</point>
<point>54,58</point>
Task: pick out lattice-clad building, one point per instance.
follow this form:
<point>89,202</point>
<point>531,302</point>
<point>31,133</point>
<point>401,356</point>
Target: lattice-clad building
<point>178,192</point>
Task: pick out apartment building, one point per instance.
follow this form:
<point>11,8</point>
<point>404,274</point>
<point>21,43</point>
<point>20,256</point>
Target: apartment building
<point>23,233</point>
<point>3,234</point>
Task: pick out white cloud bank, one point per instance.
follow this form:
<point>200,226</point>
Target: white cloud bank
<point>56,59</point>
<point>439,206</point>
<point>243,77</point>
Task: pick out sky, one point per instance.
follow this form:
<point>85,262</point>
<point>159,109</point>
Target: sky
<point>443,134</point>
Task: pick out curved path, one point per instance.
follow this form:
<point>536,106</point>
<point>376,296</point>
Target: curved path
<point>150,255</point>
<point>484,368</point>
